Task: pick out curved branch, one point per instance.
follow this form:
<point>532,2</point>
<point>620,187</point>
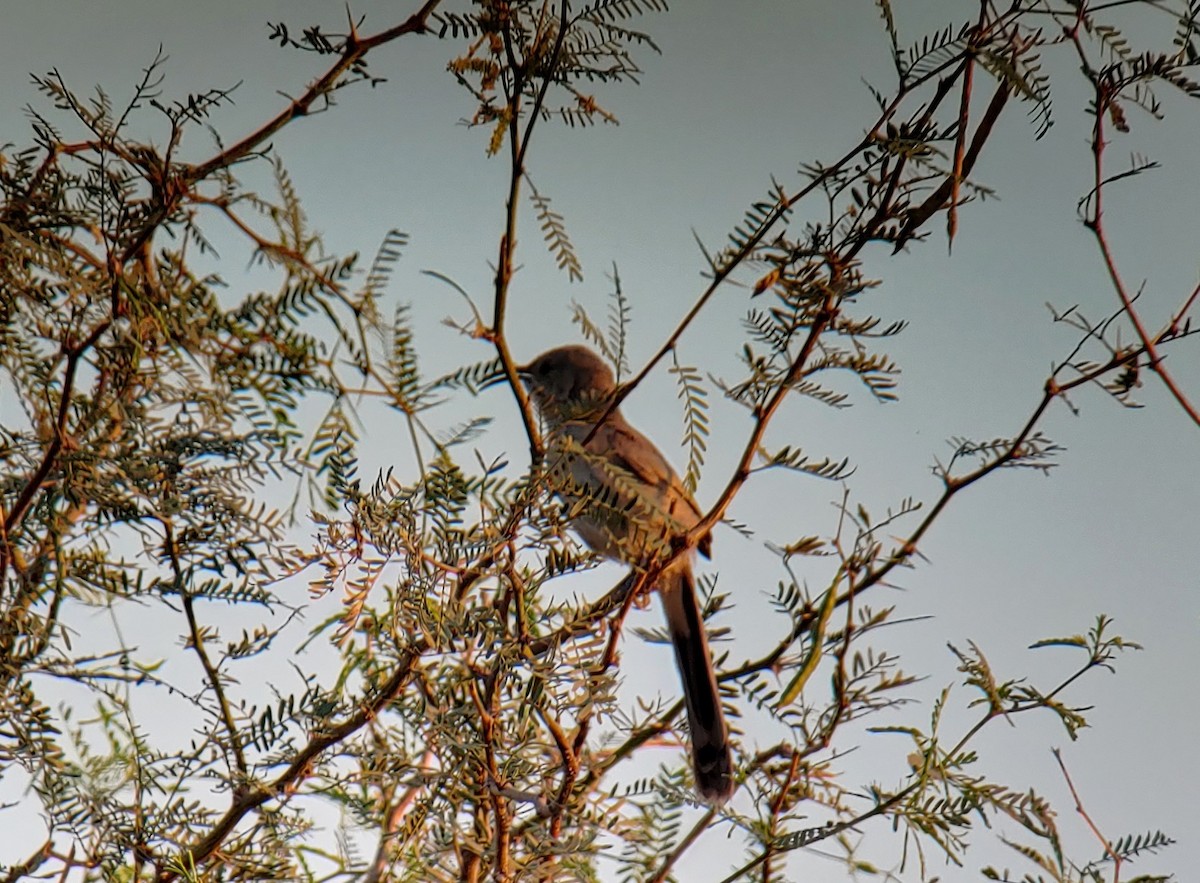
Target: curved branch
<point>353,52</point>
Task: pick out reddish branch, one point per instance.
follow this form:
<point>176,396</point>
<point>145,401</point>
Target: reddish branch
<point>1108,849</point>
<point>1106,103</point>
<point>353,51</point>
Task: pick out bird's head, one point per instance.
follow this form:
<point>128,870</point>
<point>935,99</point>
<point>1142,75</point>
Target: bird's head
<point>568,382</point>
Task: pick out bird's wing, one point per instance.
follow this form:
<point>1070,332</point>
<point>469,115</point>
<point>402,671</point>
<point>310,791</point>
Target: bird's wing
<point>618,446</point>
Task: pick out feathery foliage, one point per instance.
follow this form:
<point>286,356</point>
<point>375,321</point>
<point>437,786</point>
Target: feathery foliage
<point>462,714</point>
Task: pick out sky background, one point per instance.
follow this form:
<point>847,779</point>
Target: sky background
<point>740,93</point>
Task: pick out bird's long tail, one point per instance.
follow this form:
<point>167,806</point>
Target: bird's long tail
<point>711,758</point>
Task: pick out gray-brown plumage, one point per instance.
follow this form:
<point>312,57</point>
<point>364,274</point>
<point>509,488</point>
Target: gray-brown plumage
<point>628,504</point>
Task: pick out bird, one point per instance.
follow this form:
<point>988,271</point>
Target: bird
<point>628,504</point>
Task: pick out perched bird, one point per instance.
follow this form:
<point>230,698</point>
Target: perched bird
<point>628,504</point>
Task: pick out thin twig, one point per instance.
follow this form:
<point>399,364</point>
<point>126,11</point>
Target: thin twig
<point>1109,851</point>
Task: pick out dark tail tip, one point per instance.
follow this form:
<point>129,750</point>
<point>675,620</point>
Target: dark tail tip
<point>713,766</point>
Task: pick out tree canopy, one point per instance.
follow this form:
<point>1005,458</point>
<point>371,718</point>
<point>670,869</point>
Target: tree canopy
<point>181,455</point>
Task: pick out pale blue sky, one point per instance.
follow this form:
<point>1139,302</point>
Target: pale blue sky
<point>744,91</point>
